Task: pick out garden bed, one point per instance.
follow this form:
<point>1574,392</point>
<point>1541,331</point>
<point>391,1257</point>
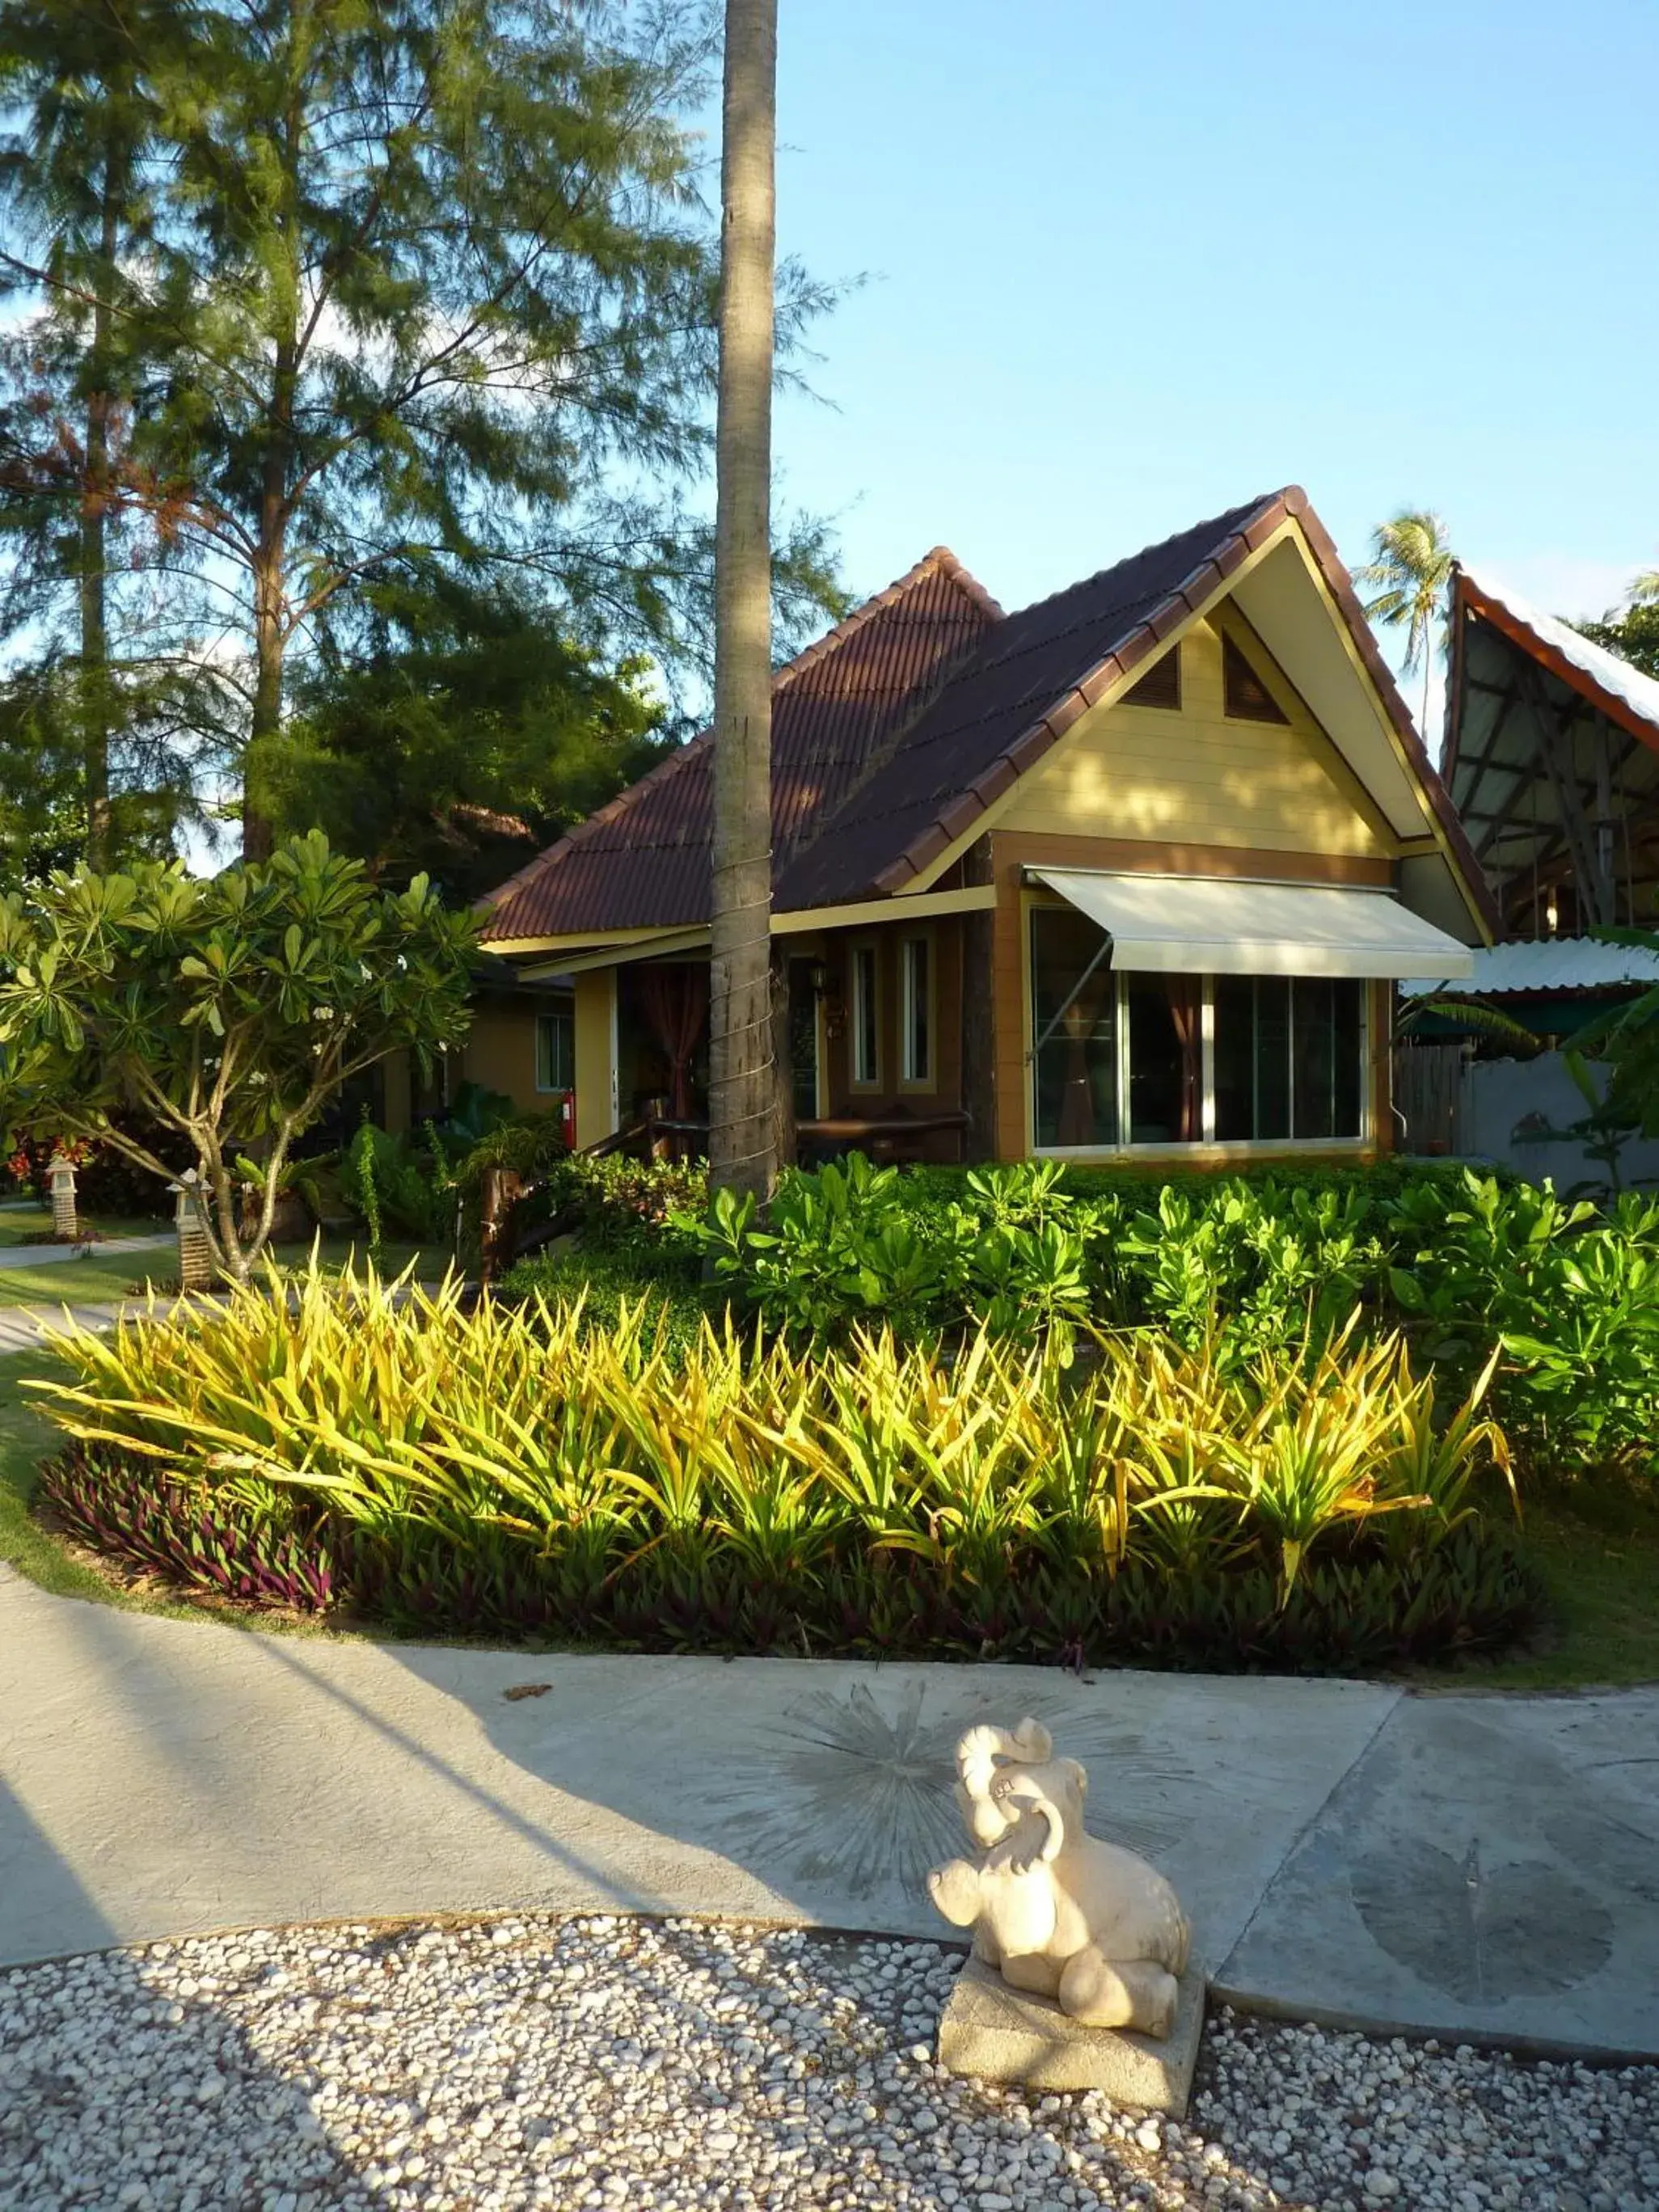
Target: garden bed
<point>445,1469</point>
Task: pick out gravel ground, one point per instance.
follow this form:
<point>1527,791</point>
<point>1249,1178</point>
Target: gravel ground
<point>614,2063</point>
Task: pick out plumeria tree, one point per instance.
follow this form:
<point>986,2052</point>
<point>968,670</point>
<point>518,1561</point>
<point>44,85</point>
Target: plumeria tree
<point>227,1009</point>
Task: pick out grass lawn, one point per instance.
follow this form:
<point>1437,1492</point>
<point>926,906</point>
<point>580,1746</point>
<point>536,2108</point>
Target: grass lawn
<point>1599,1557</point>
<point>1598,1552</point>
<point>100,1277</point>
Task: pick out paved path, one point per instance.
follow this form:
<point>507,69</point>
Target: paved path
<point>1468,1866</point>
<point>49,1255</point>
<point>22,1326</point>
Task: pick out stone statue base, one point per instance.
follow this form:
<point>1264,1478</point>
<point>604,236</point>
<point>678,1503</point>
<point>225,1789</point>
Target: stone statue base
<point>1002,2034</point>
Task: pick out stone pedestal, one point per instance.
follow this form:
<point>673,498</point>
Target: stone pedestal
<point>1001,2034</point>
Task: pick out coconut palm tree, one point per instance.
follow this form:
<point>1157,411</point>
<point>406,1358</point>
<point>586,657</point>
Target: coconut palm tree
<point>1644,591</point>
<point>742,1134</point>
<point>1409,571</point>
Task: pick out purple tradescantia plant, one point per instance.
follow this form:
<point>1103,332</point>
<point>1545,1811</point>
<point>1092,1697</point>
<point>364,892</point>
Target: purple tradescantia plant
<point>193,1538</point>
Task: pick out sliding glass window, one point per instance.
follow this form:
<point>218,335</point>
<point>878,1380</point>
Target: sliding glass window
<point>1074,1008</point>
<point>1289,1058</point>
<point>1124,1059</point>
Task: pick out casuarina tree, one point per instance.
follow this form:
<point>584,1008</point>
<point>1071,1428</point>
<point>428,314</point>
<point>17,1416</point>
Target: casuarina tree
<point>83,115</point>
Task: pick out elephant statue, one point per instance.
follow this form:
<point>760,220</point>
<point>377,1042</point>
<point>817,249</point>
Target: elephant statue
<point>1060,1913</point>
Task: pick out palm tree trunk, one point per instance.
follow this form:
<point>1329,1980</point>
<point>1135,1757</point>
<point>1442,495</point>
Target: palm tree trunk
<point>742,1105</point>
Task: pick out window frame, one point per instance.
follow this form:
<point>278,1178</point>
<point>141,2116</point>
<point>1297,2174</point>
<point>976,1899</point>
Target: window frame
<point>1207,1142</point>
<point>909,1078</point>
<point>567,1016</point>
<point>858,952</point>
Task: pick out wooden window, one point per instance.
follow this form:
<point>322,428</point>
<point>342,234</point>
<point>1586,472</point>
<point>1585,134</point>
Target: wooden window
<point>556,1051</point>
<point>803,1045</point>
<point>865,1017</point>
<point>1160,686</point>
<point>1247,697</point>
<point>916,1012</point>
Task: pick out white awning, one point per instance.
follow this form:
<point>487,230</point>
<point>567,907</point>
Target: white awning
<point>1205,925</point>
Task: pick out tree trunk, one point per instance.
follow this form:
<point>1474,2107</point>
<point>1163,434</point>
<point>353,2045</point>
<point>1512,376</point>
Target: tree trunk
<point>269,626</point>
<point>266,719</point>
<point>742,1103</point>
<point>93,701</point>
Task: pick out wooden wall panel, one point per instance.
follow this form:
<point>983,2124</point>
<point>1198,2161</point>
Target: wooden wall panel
<point>1196,776</point>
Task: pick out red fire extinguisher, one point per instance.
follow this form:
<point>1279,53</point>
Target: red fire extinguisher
<point>568,1119</point>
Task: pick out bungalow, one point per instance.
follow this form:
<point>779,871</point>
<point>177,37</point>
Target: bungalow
<point>1129,873</point>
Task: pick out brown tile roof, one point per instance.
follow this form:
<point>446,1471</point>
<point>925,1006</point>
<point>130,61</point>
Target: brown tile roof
<point>1029,680</point>
<point>643,861</point>
<point>861,811</point>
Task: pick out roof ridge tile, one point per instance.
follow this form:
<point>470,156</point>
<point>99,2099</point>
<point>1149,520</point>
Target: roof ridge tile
<point>939,559</point>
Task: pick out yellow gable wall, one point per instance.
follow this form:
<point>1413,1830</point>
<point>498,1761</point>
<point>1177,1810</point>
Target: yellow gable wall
<point>1196,777</point>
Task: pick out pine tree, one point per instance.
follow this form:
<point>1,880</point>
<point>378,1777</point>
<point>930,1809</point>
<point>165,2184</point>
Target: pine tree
<point>430,270</point>
<point>71,185</point>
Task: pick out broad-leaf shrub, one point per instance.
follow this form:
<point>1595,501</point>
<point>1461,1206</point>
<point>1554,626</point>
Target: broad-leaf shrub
<point>503,1469</point>
<point>1264,1265</point>
<point>1569,1295</point>
<point>847,1244</point>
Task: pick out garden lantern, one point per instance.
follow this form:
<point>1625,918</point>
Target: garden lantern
<point>61,1177</point>
<point>196,1266</point>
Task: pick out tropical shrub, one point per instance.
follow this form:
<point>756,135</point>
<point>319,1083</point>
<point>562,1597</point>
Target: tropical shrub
<point>620,1205</point>
<point>1274,1262</point>
<point>1268,1264</point>
<point>513,1470</point>
<point>257,1549</point>
<point>608,1286</point>
<point>401,1186</point>
<point>229,1010</point>
<point>848,1243</point>
<point>1570,1294</point>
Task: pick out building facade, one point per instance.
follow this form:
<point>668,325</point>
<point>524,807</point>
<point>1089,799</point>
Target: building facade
<point>1131,873</point>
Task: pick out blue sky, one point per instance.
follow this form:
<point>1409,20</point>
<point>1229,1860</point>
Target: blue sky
<point>1129,265</point>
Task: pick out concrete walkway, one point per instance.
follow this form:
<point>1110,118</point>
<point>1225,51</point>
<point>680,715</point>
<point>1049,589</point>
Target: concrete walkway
<point>1471,1867</point>
<point>47,1255</point>
<point>22,1326</point>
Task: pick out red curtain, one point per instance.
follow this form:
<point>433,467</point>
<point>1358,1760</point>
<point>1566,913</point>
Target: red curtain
<point>675,1004</point>
<point>1186,1015</point>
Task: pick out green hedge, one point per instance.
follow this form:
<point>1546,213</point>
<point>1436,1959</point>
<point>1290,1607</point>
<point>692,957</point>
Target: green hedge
<point>1267,1263</point>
